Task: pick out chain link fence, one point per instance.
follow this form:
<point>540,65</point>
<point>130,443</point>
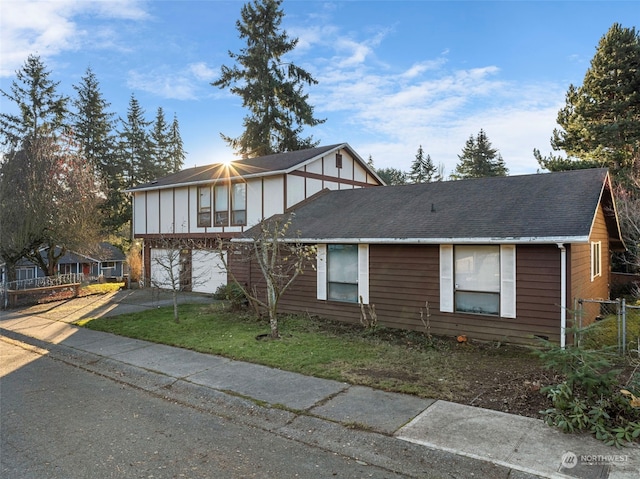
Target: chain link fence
<point>625,316</point>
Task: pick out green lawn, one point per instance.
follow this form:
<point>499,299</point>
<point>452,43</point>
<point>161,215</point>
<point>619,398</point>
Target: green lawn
<point>387,359</point>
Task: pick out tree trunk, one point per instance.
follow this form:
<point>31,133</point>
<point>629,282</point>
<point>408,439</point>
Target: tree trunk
<point>174,294</point>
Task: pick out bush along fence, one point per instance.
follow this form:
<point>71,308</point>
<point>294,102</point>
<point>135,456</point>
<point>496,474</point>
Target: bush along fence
<point>623,321</point>
<point>10,290</point>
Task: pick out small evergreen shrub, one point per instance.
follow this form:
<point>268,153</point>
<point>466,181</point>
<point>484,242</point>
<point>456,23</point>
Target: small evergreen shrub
<point>233,293</point>
<point>589,398</point>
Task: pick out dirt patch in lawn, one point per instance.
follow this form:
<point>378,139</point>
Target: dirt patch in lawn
<point>490,375</point>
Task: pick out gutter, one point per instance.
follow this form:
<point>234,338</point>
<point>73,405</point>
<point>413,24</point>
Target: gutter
<point>434,241</point>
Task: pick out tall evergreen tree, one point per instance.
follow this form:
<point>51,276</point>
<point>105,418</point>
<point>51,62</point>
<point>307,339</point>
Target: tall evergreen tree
<point>136,146</point>
<point>42,112</point>
<point>479,159</point>
<point>93,127</point>
<point>422,169</point>
<point>270,86</point>
<point>93,124</point>
<point>161,139</point>
<point>600,122</point>
<point>177,155</point>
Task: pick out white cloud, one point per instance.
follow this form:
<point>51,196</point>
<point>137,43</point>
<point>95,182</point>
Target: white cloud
<point>391,110</point>
<point>167,82</point>
<point>201,71</point>
<point>47,28</point>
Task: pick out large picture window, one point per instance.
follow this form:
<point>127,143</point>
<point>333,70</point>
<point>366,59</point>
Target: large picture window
<point>239,204</point>
<point>221,205</point>
<point>204,206</point>
<point>478,279</point>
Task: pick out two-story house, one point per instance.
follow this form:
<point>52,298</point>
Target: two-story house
<point>200,205</point>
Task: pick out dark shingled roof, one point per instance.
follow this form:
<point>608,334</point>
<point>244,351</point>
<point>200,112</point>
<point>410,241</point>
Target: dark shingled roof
<point>261,166</point>
<point>537,208</point>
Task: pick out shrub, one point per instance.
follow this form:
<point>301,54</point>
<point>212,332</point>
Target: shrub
<point>233,293</point>
<point>589,397</point>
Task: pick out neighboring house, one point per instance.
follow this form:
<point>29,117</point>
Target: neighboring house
<point>200,205</point>
<point>493,258</point>
<point>105,261</point>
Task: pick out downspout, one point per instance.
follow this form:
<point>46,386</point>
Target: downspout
<point>563,295</point>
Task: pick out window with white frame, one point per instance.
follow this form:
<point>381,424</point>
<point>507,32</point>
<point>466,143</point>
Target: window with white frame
<point>25,272</point>
<point>596,259</point>
<point>478,279</point>
<point>221,205</point>
<point>343,272</point>
<point>204,206</point>
<point>239,204</point>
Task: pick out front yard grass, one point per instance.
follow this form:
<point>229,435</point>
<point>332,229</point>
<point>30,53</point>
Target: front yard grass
<point>392,360</point>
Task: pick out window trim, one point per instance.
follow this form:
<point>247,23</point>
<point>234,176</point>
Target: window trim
<point>204,211</point>
<point>322,273</point>
<point>234,212</point>
<point>507,281</point>
<point>222,213</point>
<point>596,259</point>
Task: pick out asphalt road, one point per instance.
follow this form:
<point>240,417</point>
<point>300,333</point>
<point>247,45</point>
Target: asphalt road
<point>60,421</point>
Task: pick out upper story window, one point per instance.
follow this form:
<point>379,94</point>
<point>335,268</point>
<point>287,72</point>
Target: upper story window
<point>338,160</point>
<point>204,206</point>
<point>230,204</point>
<point>221,205</point>
<point>239,204</point>
<point>596,259</point>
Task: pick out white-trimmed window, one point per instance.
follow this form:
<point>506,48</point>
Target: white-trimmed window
<point>239,204</point>
<point>343,272</point>
<point>596,259</point>
<point>25,272</point>
<point>204,206</point>
<point>221,205</point>
<point>478,279</point>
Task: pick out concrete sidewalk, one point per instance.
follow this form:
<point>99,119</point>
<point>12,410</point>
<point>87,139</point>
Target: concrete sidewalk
<point>521,444</point>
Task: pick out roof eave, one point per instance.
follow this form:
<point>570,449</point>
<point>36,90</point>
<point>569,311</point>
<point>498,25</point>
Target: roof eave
<point>436,241</point>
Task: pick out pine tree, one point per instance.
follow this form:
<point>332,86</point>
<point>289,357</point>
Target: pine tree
<point>600,122</point>
<point>270,86</point>
<point>94,131</point>
<point>93,124</point>
<point>42,110</point>
<point>136,147</point>
<point>479,159</point>
<point>422,169</point>
<point>177,154</point>
<point>161,138</point>
<point>392,176</point>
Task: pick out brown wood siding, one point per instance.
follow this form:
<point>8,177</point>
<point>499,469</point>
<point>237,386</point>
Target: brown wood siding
<point>582,287</point>
<point>402,278</point>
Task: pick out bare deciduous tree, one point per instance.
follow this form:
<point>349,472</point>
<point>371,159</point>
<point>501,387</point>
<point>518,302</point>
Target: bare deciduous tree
<point>281,260</point>
<point>174,270</point>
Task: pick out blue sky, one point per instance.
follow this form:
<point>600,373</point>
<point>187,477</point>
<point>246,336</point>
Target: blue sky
<point>393,75</point>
